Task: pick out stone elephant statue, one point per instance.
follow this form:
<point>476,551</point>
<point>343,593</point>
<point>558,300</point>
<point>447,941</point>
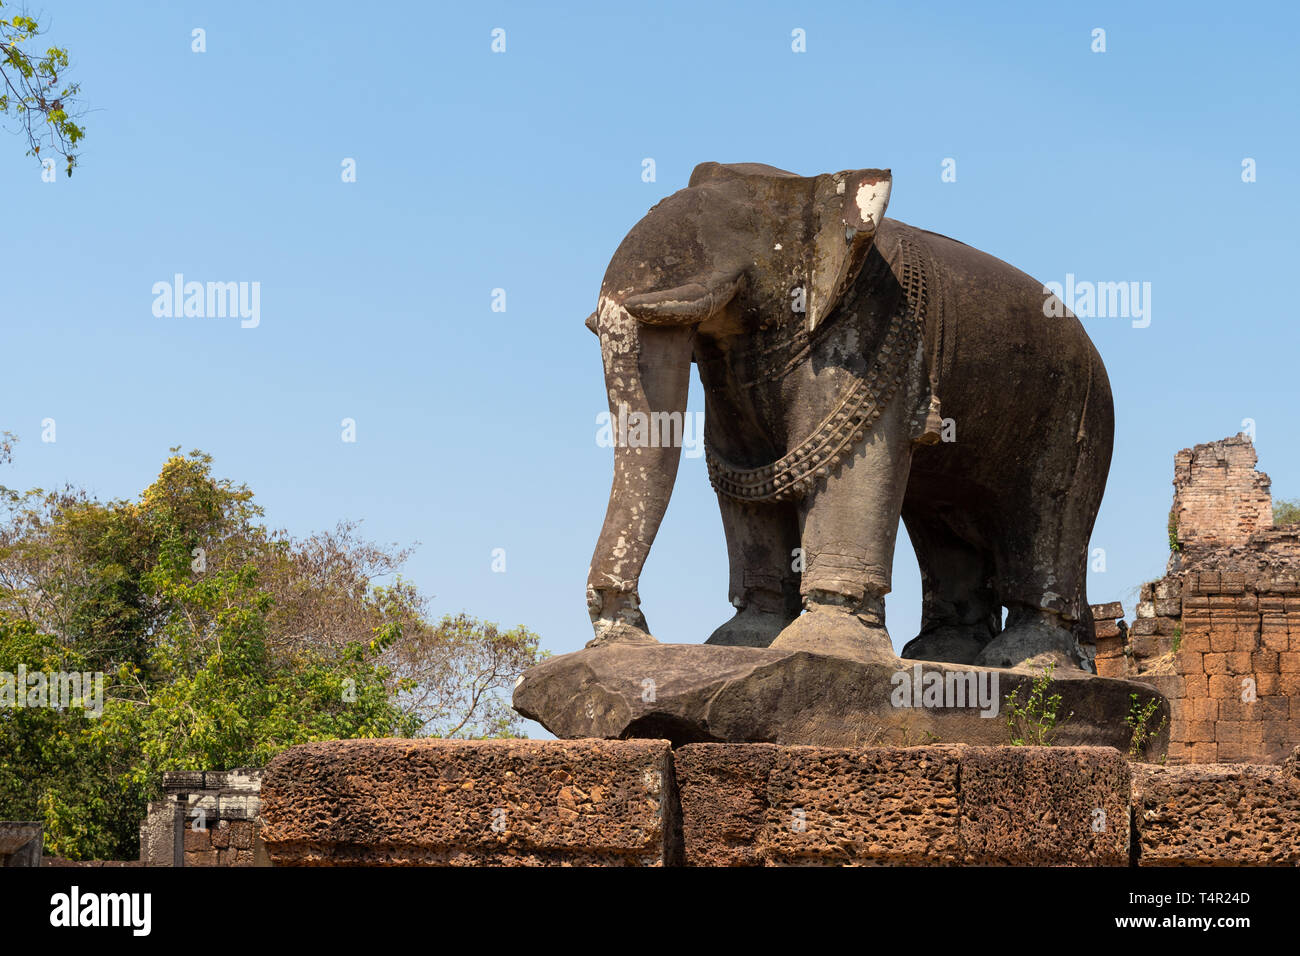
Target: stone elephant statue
<point>856,370</point>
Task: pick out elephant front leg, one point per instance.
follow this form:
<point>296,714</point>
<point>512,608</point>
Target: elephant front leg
<point>850,524</point>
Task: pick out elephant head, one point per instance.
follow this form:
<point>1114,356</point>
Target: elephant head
<point>741,241</point>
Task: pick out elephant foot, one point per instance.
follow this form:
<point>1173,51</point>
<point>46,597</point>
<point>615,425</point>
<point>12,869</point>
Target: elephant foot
<point>838,630</point>
<point>952,645</point>
<point>750,627</point>
<point>620,633</point>
<point>616,618</point>
<point>1035,641</point>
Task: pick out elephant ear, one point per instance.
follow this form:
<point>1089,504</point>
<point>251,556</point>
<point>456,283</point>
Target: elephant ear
<point>848,208</point>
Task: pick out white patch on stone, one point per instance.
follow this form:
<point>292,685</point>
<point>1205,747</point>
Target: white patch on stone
<point>872,198</point>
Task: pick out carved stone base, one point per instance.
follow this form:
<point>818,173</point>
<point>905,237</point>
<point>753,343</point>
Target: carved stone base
<point>696,693</point>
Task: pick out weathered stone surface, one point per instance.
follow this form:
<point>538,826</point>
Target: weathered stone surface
<point>763,805</point>
<point>1110,611</point>
<point>1040,806</point>
<point>1291,766</point>
<point>425,802</point>
<point>59,861</point>
<point>942,805</point>
<point>158,834</point>
<point>452,802</point>
<point>20,843</point>
<point>1224,814</point>
<point>692,693</point>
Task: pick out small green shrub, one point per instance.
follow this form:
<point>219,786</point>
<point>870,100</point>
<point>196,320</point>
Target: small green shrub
<point>1139,716</point>
<point>1033,722</point>
<point>1286,511</point>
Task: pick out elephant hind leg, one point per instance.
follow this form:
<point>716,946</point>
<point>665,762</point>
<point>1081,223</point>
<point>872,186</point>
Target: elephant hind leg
<point>761,547</point>
<point>1041,580</point>
<point>960,611</point>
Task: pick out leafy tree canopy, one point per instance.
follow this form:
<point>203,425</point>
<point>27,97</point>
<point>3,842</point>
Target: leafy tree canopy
<point>220,643</point>
<point>34,91</point>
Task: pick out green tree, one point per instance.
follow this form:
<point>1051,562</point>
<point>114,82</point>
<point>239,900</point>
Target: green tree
<point>221,643</point>
<point>33,90</point>
<point>1286,511</point>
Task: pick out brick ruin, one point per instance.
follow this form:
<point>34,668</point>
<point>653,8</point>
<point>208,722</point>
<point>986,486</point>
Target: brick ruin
<point>1219,634</point>
<point>217,816</point>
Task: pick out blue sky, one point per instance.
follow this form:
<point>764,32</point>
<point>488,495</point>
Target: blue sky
<point>522,170</point>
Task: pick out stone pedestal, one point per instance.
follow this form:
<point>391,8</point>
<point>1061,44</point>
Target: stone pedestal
<point>698,693</point>
<point>642,803</point>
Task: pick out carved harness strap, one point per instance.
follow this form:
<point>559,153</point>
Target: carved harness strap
<point>794,473</point>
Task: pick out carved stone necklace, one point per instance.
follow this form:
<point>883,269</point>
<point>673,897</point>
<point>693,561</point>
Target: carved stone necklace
<point>795,472</point>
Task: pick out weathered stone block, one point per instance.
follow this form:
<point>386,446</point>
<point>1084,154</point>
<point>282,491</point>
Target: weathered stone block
<point>1202,751</point>
<point>1106,629</point>
<point>759,804</point>
<point>241,834</point>
<point>1222,640</point>
<point>21,843</point>
<point>1271,604</point>
<point>1037,806</point>
<point>1236,709</point>
<point>1116,666</point>
<point>1233,582</point>
<point>765,805</point>
<point>221,835</point>
<point>1204,708</point>
<point>1168,627</point>
<point>1110,611</point>
<point>1173,686</point>
<point>1142,627</point>
<point>1226,814</point>
<point>1273,708</point>
<point>183,780</point>
<point>1228,732</point>
<point>456,802</point>
<point>1110,646</point>
<point>1274,635</point>
<point>158,834</point>
<point>1195,681</point>
<point>1238,662</point>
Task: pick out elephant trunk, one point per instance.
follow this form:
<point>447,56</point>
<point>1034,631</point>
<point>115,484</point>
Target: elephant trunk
<point>647,375</point>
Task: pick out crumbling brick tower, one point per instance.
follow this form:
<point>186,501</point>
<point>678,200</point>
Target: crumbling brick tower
<point>1220,500</point>
<point>1219,634</point>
